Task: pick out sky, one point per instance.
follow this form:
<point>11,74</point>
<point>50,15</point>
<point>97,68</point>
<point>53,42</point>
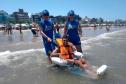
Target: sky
<point>107,9</point>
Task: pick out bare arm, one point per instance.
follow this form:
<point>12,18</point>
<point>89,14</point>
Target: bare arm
<point>42,33</point>
<point>80,29</point>
<point>55,52</point>
<point>37,27</point>
<point>65,29</point>
<point>72,46</point>
<point>54,29</point>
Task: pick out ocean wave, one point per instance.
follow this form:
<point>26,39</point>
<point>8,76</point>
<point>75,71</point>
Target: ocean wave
<point>102,36</point>
<point>7,56</point>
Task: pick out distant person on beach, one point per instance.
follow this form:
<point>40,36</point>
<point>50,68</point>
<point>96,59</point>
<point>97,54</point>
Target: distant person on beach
<point>20,28</point>
<point>9,28</point>
<point>6,28</point>
<point>72,29</point>
<point>3,27</point>
<point>34,29</point>
<point>107,28</point>
<point>57,27</point>
<point>47,30</point>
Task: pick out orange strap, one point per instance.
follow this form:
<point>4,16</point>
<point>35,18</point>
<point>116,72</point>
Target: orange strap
<point>63,50</point>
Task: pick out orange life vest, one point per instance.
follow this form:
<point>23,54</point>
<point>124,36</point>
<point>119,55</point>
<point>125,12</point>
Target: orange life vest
<point>65,51</point>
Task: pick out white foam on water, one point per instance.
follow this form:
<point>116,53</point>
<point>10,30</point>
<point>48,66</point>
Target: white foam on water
<point>101,36</point>
<point>3,57</point>
<point>119,31</point>
<point>6,56</point>
<point>20,43</point>
<point>86,47</point>
<point>4,53</point>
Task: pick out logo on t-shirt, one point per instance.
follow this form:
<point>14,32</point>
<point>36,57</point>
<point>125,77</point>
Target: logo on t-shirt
<point>48,27</point>
<point>72,26</point>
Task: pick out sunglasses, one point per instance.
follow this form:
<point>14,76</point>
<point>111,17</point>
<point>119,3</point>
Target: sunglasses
<point>46,15</point>
<point>65,40</point>
<point>71,15</point>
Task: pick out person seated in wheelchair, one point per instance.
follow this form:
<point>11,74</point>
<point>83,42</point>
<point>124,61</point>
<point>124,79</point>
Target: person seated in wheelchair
<point>65,50</point>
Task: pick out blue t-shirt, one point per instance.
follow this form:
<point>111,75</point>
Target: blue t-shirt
<point>72,31</point>
<point>47,27</point>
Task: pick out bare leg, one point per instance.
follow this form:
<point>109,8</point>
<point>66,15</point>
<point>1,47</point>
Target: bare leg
<point>86,66</point>
<point>79,49</point>
<point>49,59</point>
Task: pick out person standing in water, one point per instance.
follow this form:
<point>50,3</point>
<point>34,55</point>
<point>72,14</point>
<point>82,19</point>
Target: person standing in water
<point>9,28</point>
<point>57,27</point>
<point>34,29</point>
<point>47,30</point>
<point>20,28</point>
<point>72,29</point>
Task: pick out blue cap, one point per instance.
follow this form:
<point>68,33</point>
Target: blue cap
<point>45,13</point>
<point>71,13</point>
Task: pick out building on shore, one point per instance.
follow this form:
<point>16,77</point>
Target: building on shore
<point>21,16</point>
<point>3,16</point>
<point>35,17</point>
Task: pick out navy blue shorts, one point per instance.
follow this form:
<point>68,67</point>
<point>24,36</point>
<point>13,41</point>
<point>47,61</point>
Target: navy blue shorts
<point>49,47</point>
